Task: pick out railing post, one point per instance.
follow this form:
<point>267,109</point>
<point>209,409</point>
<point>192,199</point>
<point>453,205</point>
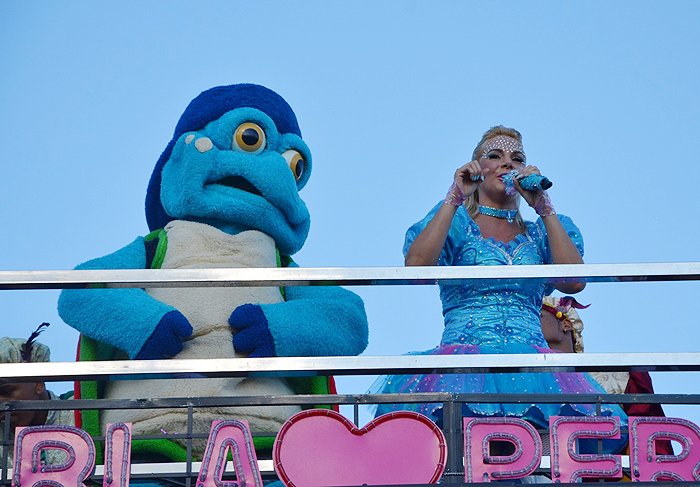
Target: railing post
<point>599,412</point>
<point>190,420</point>
<point>452,428</point>
<point>6,447</point>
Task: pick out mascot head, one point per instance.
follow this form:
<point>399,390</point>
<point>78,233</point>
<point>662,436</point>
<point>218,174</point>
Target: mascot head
<point>237,162</point>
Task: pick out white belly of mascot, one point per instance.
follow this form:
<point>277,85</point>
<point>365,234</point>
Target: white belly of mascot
<point>199,246</point>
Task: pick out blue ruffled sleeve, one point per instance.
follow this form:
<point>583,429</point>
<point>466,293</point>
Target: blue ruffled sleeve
<point>455,241</point>
<point>571,229</point>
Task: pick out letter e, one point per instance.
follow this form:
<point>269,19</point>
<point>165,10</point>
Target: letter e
<point>568,464</point>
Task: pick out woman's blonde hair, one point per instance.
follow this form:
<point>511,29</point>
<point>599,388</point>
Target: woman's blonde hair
<point>472,203</point>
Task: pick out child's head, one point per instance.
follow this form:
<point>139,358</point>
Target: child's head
<point>19,350</point>
<point>561,325</point>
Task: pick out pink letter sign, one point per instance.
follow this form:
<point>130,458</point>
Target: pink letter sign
<point>482,467</point>
<point>567,464</point>
<point>647,466</point>
<point>117,455</point>
<point>74,442</point>
<point>224,436</point>
<point>321,447</point>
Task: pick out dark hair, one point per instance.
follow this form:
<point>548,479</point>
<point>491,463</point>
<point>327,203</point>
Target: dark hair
<point>26,351</point>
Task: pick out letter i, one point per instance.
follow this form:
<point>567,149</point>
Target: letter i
<point>117,455</point>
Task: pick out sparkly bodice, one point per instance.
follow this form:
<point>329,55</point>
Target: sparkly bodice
<point>494,314</point>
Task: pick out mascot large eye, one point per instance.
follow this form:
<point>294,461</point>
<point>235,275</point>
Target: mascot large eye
<point>296,163</point>
<point>249,137</point>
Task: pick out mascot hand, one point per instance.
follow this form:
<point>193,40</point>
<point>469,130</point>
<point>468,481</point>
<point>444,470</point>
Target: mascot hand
<point>166,339</point>
<point>252,331</point>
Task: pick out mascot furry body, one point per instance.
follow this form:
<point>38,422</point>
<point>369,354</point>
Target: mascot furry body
<point>224,193</point>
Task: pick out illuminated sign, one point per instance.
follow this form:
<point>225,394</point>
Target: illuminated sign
<point>321,447</point>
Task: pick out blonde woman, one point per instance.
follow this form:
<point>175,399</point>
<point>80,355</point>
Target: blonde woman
<point>479,223</point>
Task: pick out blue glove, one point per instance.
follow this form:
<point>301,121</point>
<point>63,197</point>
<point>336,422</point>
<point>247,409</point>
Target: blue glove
<point>166,339</point>
<point>252,331</point>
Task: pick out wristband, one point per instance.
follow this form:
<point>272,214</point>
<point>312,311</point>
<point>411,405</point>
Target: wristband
<point>454,197</point>
<point>543,205</point>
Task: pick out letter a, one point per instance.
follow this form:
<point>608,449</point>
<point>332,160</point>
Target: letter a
<point>482,467</point>
<point>235,436</point>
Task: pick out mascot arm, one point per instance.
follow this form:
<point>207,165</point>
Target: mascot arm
<point>317,321</point>
<point>128,319</point>
<point>313,321</point>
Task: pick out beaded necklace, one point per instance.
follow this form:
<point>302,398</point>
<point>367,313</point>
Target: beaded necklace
<point>498,213</point>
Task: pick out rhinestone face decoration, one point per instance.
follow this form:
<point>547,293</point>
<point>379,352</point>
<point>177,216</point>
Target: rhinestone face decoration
<point>503,143</point>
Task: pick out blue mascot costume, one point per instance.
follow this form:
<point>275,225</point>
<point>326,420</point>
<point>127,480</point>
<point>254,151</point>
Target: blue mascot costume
<point>224,193</point>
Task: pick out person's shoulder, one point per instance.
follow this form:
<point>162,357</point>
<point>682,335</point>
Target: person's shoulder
<point>67,396</point>
<point>569,225</point>
<point>539,231</point>
<point>564,219</point>
<point>537,228</point>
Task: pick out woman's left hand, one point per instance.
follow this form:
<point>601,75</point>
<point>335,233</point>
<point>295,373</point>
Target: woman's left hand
<point>529,196</point>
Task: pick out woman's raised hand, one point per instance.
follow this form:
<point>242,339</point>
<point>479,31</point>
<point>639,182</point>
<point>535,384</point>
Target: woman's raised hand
<point>469,177</point>
<point>528,196</point>
<point>538,200</point>
<point>466,180</point>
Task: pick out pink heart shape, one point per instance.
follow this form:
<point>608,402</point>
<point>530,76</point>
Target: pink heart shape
<point>320,447</point>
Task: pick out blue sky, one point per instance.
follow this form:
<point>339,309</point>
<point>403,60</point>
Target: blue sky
<point>391,98</point>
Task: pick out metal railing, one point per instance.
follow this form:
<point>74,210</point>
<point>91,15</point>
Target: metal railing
<point>345,276</point>
<point>362,365</point>
<point>294,367</point>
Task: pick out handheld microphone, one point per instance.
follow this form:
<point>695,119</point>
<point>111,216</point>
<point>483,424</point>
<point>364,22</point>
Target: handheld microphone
<point>535,182</point>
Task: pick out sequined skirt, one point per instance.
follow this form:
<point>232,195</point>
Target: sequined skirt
<point>533,383</point>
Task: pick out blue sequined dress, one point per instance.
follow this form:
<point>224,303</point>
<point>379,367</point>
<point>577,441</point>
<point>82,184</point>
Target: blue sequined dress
<point>492,318</point>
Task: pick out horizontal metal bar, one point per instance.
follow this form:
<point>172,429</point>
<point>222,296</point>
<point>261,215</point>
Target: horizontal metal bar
<point>345,399</point>
<point>157,475</point>
<point>169,469</point>
<point>349,276</point>
<point>155,471</point>
<point>362,365</point>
